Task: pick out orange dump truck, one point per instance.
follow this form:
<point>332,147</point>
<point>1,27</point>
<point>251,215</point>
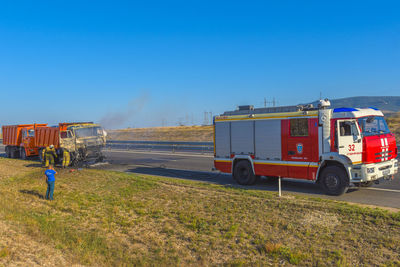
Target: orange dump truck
<point>19,140</point>
<point>83,140</point>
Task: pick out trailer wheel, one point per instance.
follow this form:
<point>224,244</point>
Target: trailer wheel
<point>23,153</point>
<point>334,180</point>
<point>243,173</point>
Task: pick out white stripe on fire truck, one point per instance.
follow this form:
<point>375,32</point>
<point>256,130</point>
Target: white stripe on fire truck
<point>383,149</point>
<point>277,163</point>
<point>288,163</point>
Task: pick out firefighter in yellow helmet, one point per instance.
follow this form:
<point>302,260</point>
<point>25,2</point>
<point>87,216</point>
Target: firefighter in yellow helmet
<point>66,158</point>
<point>50,155</point>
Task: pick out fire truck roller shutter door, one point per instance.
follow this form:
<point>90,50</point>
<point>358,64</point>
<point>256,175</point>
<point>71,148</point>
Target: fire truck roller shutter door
<point>242,137</point>
<point>268,139</point>
<point>222,140</point>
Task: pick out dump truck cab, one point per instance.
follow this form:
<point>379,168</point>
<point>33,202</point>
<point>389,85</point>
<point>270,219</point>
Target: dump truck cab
<point>28,143</point>
<point>83,140</point>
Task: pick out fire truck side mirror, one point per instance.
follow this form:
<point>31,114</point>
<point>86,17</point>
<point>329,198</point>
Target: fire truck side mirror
<point>356,138</point>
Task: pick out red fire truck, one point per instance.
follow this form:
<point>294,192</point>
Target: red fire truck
<point>334,147</point>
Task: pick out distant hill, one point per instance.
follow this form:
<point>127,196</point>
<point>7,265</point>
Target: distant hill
<point>388,104</point>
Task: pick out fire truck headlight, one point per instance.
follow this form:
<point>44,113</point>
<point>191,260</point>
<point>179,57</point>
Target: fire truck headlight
<point>371,170</point>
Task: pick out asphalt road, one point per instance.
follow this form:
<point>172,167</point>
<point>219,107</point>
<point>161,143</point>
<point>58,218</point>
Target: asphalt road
<point>192,166</point>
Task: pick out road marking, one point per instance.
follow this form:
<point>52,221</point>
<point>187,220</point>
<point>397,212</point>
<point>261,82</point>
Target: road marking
<point>160,153</point>
<point>383,189</point>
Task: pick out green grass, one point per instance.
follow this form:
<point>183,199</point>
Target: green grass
<point>108,218</point>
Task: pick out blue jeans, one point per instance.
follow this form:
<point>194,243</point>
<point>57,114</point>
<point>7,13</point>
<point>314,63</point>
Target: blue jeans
<point>50,190</point>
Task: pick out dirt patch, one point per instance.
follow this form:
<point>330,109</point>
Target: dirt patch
<point>10,168</point>
<point>18,249</point>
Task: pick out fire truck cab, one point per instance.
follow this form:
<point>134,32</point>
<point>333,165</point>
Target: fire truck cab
<point>334,147</point>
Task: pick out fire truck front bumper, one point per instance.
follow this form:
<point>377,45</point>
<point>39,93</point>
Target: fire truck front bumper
<point>371,172</point>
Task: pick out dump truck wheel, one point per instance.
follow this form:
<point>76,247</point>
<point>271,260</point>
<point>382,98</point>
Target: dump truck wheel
<point>8,153</point>
<point>40,155</point>
<point>243,173</point>
<point>334,180</point>
<point>23,154</point>
<point>14,153</point>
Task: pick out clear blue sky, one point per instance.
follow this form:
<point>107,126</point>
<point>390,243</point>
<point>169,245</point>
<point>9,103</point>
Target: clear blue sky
<point>139,63</point>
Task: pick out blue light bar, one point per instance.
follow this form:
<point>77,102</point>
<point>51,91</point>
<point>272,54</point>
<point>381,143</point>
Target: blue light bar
<point>344,110</point>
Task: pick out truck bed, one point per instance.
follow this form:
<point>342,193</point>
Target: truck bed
<point>46,136</point>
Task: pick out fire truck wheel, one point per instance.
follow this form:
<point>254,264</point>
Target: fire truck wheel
<point>367,184</point>
<point>334,180</point>
<point>271,179</point>
<point>243,173</point>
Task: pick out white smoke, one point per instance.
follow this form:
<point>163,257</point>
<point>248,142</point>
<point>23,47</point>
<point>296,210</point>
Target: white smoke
<point>117,119</point>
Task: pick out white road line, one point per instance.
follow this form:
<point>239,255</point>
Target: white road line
<point>383,189</point>
<point>160,153</point>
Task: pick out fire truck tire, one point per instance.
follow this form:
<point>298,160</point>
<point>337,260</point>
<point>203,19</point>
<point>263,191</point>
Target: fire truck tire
<point>23,153</point>
<point>334,180</point>
<point>243,173</point>
<point>271,179</point>
<point>367,184</point>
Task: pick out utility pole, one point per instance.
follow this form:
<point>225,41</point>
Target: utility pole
<point>265,102</point>
<point>205,118</point>
<point>187,119</point>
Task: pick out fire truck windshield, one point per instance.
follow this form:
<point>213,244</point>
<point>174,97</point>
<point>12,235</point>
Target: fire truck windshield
<point>373,126</point>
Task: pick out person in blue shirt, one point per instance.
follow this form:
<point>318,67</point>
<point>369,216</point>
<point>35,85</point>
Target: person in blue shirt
<point>50,180</point>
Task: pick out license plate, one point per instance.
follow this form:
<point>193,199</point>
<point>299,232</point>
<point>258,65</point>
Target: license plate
<point>386,172</point>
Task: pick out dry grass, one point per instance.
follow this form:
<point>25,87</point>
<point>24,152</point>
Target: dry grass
<point>179,133</point>
<point>105,218</point>
<point>394,125</point>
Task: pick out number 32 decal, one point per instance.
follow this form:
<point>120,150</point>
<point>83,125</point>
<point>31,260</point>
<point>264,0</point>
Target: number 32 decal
<point>352,147</point>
